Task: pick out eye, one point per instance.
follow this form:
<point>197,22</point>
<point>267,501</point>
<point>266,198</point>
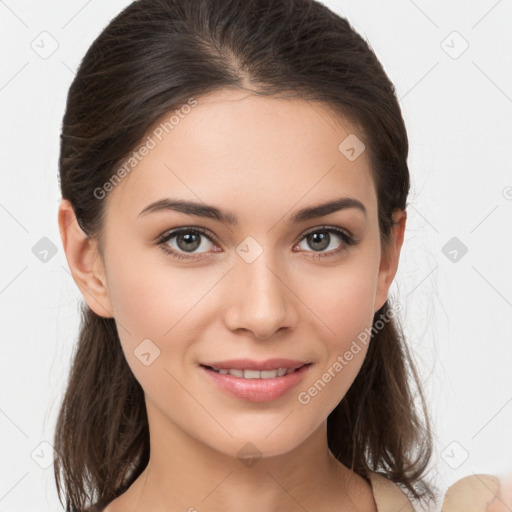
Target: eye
<point>187,240</point>
<point>320,239</point>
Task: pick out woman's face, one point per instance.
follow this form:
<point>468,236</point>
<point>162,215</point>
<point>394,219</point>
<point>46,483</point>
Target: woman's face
<point>256,288</point>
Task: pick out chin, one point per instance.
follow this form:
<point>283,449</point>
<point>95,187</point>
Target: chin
<point>263,443</point>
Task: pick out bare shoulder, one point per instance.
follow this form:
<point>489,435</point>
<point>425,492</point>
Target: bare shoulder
<point>364,492</point>
<point>480,492</point>
<point>360,492</point>
<point>387,494</point>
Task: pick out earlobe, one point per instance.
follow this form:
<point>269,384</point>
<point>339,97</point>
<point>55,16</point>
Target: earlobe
<point>389,259</point>
<point>84,261</point>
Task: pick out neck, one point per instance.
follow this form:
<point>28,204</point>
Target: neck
<point>184,474</point>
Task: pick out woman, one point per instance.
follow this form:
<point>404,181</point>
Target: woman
<point>234,181</point>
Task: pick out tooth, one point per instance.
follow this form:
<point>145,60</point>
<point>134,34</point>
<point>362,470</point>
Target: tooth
<point>251,374</point>
<point>291,370</point>
<point>269,374</point>
<point>255,374</point>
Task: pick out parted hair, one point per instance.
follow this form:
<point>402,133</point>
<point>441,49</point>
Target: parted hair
<point>150,59</point>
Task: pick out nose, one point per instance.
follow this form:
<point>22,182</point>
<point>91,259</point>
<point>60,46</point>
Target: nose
<point>260,298</point>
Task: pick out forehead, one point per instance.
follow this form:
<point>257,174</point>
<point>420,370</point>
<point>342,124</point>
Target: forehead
<point>253,152</point>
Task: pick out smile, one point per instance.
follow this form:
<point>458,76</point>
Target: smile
<point>256,385</point>
<point>255,374</point>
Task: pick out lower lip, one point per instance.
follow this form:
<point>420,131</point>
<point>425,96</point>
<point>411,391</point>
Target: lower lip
<point>257,390</point>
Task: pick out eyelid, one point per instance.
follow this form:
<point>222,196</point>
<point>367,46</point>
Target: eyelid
<point>209,234</point>
<point>325,227</point>
<point>162,240</point>
<point>185,229</point>
<point>346,236</point>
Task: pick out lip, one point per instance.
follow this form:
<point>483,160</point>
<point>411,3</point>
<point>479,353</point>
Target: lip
<point>249,364</point>
<point>257,390</point>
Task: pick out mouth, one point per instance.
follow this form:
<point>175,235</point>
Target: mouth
<point>255,374</point>
<point>256,385</point>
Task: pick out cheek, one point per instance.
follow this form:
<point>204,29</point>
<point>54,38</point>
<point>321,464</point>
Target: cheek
<point>343,298</point>
<point>342,304</point>
<point>348,312</point>
<point>159,302</point>
<point>150,296</point>
<point>150,306</point>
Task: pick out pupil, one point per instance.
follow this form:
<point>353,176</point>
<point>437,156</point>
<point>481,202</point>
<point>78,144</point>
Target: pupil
<point>321,237</point>
<point>190,240</point>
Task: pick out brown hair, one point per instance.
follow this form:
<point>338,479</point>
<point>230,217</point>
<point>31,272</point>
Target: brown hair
<point>149,60</point>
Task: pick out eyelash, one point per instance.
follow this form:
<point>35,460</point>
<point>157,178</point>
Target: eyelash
<point>347,239</point>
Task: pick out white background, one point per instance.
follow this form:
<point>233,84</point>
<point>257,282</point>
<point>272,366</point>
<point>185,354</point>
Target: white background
<point>458,314</point>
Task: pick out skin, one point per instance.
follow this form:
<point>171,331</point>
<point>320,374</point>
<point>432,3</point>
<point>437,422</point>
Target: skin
<point>262,159</point>
<point>502,502</point>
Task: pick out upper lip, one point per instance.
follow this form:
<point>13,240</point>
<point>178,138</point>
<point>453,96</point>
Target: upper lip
<point>249,364</point>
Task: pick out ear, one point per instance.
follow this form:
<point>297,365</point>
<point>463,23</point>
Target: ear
<point>84,261</point>
<point>389,258</point>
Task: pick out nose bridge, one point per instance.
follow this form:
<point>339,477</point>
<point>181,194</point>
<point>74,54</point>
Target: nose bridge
<point>260,301</point>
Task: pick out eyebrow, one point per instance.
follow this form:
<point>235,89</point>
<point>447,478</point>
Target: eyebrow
<point>211,212</point>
